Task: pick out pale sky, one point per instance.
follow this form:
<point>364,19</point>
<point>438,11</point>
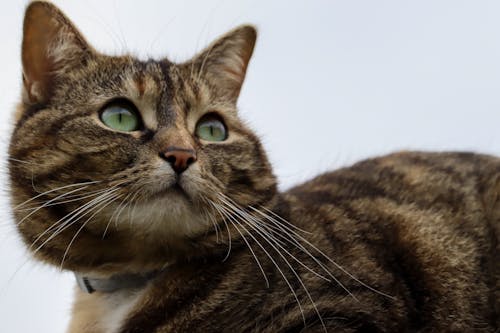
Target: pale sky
<point>331,82</point>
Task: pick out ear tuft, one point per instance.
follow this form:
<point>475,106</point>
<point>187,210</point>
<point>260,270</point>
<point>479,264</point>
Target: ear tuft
<point>50,45</point>
<point>226,60</point>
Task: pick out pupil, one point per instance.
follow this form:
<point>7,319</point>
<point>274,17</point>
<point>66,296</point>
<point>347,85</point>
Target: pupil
<point>120,117</point>
<point>212,130</point>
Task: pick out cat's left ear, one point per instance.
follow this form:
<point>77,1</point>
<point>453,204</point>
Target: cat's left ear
<point>224,62</point>
<point>51,45</point>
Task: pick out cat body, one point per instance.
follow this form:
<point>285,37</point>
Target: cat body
<point>140,177</point>
<point>417,226</point>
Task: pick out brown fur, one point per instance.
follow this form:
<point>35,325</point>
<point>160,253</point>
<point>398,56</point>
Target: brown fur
<point>402,243</point>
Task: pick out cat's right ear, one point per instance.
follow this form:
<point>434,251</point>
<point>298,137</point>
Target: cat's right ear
<point>51,45</point>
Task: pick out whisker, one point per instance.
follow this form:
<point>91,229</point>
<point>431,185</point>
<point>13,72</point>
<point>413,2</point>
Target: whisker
<point>285,221</point>
<point>131,210</point>
<point>297,244</point>
<point>19,161</point>
<point>293,241</point>
<point>118,209</point>
<point>255,223</point>
<point>271,231</point>
<point>53,190</point>
<point>229,238</point>
<point>297,276</point>
<point>223,213</point>
<point>212,219</point>
<point>66,220</point>
<point>74,196</point>
<point>86,209</point>
<point>47,203</point>
<point>227,228</point>
<point>103,205</point>
<point>333,262</point>
<point>278,268</point>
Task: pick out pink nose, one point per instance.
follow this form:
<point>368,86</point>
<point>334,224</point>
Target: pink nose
<point>179,158</point>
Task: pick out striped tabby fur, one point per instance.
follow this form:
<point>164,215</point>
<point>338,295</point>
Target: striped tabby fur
<point>401,243</point>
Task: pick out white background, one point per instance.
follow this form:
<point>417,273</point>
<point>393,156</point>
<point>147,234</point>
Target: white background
<point>331,82</point>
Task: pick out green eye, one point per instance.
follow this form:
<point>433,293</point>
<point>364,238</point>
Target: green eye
<point>121,117</point>
<point>211,128</point>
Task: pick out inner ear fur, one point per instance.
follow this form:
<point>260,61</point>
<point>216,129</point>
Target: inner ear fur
<point>51,45</point>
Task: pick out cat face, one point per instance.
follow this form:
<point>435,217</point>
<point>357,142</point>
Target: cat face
<point>116,161</point>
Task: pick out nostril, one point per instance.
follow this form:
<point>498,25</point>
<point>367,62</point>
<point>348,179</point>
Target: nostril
<point>170,159</point>
<point>179,159</point>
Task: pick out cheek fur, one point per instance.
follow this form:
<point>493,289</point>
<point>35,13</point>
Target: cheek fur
<point>242,168</point>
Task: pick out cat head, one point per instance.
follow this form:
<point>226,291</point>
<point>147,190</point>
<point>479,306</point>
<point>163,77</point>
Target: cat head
<point>116,161</point>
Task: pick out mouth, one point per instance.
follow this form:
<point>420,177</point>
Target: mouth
<point>174,190</point>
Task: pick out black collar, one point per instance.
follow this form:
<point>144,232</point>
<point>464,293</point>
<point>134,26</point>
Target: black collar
<point>115,282</point>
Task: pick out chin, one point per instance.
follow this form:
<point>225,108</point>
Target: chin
<point>169,214</point>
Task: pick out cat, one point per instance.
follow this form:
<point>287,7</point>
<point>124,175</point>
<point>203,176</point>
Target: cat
<point>140,177</point>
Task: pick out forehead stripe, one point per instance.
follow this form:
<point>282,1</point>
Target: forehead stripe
<point>165,113</point>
